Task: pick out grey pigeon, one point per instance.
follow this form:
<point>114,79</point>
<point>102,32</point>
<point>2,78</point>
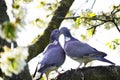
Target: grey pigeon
<point>79,51</point>
<point>53,57</point>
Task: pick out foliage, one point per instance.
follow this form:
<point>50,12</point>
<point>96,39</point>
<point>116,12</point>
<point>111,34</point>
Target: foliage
<point>93,20</point>
<point>113,44</point>
<point>9,30</point>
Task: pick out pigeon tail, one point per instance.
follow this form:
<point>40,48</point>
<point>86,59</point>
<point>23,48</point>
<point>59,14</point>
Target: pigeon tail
<point>105,60</point>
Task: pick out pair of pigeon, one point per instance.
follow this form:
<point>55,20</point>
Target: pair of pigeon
<point>54,54</point>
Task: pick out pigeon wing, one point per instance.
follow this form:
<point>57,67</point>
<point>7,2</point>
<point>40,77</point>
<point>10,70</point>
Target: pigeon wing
<point>78,49</point>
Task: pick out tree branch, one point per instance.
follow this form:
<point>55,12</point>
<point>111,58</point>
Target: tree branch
<point>116,25</point>
<point>55,22</point>
<point>74,17</point>
<point>92,73</point>
<point>103,18</point>
<point>114,21</point>
<point>94,26</point>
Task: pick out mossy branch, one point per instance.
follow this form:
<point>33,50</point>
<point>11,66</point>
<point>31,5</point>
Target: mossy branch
<point>92,73</point>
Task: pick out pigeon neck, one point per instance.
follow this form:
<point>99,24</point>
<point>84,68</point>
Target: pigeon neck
<point>55,42</point>
<point>67,38</point>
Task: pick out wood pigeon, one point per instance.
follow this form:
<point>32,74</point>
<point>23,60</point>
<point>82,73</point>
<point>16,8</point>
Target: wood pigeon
<point>53,57</point>
<point>79,51</point>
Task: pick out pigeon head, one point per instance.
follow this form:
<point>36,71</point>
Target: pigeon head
<point>54,35</point>
<point>65,31</point>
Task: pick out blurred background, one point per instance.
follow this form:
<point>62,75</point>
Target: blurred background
<point>89,21</point>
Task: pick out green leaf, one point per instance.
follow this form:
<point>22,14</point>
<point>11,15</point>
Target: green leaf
<point>83,37</point>
<point>113,44</point>
<point>41,4</point>
<point>78,21</point>
<point>27,1</point>
<point>90,32</point>
<point>42,78</point>
<point>15,6</point>
<point>9,30</point>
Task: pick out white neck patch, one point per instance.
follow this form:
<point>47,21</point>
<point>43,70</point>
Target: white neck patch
<point>55,42</point>
<point>67,38</point>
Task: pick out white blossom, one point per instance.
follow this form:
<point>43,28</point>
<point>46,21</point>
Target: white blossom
<point>1,78</point>
<point>1,32</point>
<point>13,60</point>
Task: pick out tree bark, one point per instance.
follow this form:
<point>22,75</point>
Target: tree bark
<point>92,73</point>
<point>55,22</point>
<point>3,14</point>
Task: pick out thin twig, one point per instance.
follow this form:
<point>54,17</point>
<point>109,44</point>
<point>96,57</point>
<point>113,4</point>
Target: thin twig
<point>113,20</point>
<point>74,17</point>
<point>93,4</point>
<point>103,21</point>
<point>116,9</point>
<point>116,25</point>
<point>93,26</point>
<point>86,1</point>
<point>68,17</point>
